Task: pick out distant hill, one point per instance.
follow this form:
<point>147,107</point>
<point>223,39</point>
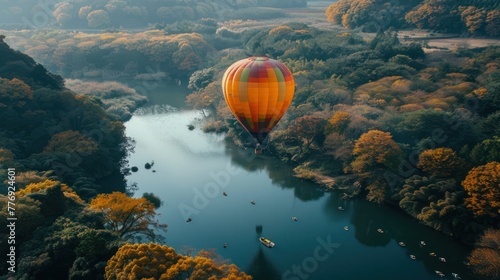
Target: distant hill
<point>16,64</point>
<point>475,17</point>
<point>124,13</point>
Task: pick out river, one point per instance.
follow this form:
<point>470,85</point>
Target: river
<point>193,169</point>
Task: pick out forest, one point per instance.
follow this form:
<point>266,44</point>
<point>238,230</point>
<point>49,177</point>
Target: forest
<point>60,145</point>
<point>472,17</point>
<point>118,14</point>
<point>379,117</point>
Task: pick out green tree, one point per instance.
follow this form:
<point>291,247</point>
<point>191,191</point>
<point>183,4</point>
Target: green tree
<point>486,151</point>
<point>437,203</point>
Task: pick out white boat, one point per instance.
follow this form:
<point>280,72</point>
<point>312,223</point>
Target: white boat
<point>442,259</point>
<point>268,243</point>
<point>380,230</point>
<point>341,208</point>
<point>413,257</point>
<point>441,274</point>
<point>456,275</point>
<point>422,243</point>
<point>402,244</point>
<point>346,228</point>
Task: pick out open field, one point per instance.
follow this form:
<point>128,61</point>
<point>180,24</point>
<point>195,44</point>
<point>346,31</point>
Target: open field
<point>443,41</point>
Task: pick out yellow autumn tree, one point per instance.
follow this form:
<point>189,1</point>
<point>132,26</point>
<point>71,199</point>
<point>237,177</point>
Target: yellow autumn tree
<point>129,217</point>
<point>339,121</point>
<point>154,261</point>
<point>440,162</point>
<point>47,184</point>
<point>374,149</point>
<point>140,261</point>
<point>485,258</point>
<point>483,188</point>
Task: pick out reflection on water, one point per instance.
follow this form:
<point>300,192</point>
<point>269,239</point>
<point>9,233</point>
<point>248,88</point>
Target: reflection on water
<point>193,169</point>
<point>261,267</point>
<point>281,175</point>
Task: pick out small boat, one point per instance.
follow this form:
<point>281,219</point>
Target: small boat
<point>268,243</point>
<point>225,244</point>
<point>402,244</point>
<point>294,218</point>
<point>188,220</point>
<point>224,193</point>
<point>432,254</point>
<point>441,274</point>
<point>413,257</point>
<point>456,275</point>
<point>442,259</point>
<point>422,243</point>
<point>346,228</point>
<point>253,202</point>
<point>380,230</point>
<point>341,208</point>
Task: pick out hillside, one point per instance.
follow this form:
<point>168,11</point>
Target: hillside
<point>48,127</point>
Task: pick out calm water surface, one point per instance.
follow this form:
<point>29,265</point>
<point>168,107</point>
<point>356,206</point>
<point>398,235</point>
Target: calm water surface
<point>193,169</point>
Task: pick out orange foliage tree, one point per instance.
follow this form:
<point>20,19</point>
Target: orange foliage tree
<point>71,142</point>
<point>129,217</point>
<point>440,162</point>
<point>473,18</point>
<point>308,129</point>
<point>483,188</point>
<point>485,258</point>
<point>154,261</point>
<point>339,122</point>
<point>47,184</point>
<point>374,149</point>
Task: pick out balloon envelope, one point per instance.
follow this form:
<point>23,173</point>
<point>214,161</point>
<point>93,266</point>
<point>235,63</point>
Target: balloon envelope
<point>258,91</point>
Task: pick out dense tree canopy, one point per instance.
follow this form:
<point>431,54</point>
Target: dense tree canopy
<point>136,13</point>
<point>365,108</point>
<point>474,17</point>
<point>374,149</point>
<point>483,188</point>
<point>440,162</point>
<point>153,261</point>
<point>485,258</point>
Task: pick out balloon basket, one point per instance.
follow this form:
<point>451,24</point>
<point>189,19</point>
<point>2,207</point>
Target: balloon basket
<point>258,149</point>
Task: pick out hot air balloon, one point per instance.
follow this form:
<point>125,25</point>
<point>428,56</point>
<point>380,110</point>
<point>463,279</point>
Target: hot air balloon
<point>258,90</point>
